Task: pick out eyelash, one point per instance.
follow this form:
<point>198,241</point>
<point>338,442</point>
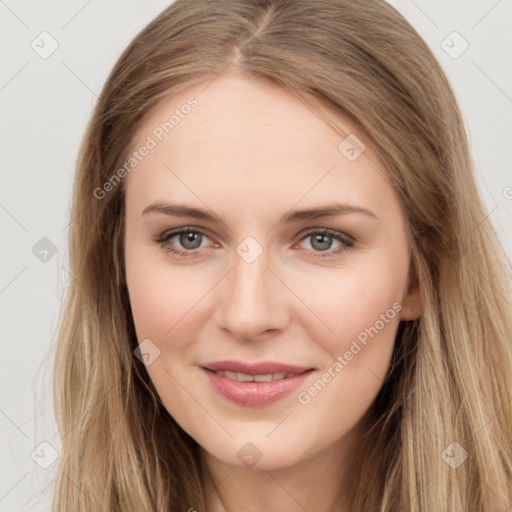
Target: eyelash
<point>347,242</point>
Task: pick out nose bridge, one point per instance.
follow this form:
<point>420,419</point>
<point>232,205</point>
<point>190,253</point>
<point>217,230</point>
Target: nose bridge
<point>249,277</point>
<point>248,305</point>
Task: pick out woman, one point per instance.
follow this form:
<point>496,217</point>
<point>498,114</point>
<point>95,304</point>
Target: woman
<point>339,338</point>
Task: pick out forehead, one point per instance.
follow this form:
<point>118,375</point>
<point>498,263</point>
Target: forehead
<point>222,106</point>
<point>238,138</point>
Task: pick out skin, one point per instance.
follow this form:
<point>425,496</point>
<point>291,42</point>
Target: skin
<point>251,152</point>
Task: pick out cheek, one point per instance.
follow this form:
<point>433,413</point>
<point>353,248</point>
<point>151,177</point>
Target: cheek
<point>163,300</point>
<point>353,301</point>
<point>165,305</point>
<point>361,313</point>
<point>361,306</point>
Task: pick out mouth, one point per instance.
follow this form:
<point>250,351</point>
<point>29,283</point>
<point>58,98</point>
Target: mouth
<point>254,384</point>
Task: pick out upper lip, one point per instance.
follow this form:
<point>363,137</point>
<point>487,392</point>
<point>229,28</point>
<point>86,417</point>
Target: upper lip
<point>261,368</point>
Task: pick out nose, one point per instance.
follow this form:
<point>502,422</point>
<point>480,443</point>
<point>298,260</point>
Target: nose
<point>252,299</point>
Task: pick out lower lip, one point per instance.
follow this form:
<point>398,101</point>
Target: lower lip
<point>255,394</point>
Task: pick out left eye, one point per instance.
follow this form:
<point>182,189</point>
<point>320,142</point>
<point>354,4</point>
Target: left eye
<point>322,240</point>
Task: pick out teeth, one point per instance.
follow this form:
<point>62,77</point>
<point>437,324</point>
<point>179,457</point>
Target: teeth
<point>242,377</point>
<point>263,378</point>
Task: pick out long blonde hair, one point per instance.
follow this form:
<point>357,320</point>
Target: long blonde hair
<point>452,368</point>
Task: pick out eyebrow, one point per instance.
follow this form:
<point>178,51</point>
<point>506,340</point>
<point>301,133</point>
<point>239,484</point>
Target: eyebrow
<point>329,210</point>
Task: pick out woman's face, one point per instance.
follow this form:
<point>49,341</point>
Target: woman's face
<point>296,311</point>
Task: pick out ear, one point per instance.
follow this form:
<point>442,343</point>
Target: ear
<point>411,302</point>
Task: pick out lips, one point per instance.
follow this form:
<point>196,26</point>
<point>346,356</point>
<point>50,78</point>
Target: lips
<point>254,384</point>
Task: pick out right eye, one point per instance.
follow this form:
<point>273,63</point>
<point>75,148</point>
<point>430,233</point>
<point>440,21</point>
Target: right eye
<point>189,238</point>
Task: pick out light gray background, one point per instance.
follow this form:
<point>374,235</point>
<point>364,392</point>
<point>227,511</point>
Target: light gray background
<point>45,103</point>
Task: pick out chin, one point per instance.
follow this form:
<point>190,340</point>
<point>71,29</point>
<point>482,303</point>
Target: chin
<point>259,454</point>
